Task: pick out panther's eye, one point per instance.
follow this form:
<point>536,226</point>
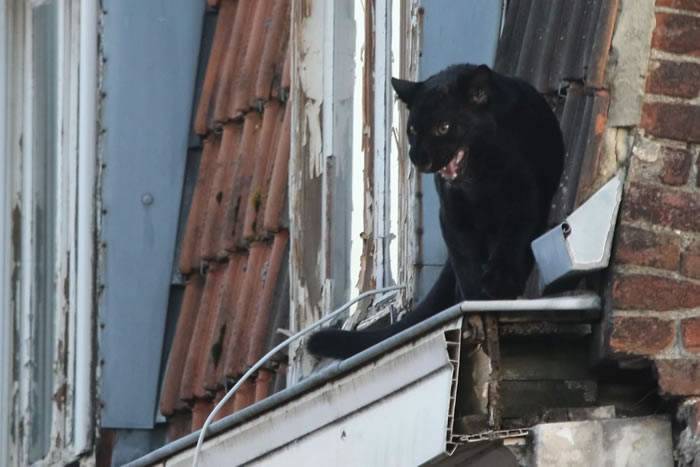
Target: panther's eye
<point>411,130</point>
<point>442,129</point>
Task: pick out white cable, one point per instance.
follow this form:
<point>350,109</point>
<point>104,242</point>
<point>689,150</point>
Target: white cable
<point>263,360</point>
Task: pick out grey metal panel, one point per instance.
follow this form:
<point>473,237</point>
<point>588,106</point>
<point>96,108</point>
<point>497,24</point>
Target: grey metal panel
<point>151,49</point>
<point>454,31</point>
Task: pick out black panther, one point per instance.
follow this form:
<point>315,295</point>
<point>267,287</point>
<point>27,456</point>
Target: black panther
<point>497,153</point>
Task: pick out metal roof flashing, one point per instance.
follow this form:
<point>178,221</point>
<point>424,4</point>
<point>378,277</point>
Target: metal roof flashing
<point>407,380</point>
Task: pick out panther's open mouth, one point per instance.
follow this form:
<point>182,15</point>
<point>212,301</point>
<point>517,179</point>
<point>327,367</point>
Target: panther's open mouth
<point>453,167</point>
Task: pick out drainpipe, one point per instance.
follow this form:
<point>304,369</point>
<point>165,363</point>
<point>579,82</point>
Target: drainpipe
<point>87,160</point>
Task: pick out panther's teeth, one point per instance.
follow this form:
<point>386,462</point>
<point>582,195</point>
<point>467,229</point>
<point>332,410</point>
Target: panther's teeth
<point>451,170</point>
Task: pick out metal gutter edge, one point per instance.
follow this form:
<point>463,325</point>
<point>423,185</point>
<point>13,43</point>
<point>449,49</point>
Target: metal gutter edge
<point>582,302</point>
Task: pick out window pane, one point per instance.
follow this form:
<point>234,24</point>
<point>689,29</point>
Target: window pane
<point>44,144</point>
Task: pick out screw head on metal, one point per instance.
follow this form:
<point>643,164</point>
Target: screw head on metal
<point>147,199</point>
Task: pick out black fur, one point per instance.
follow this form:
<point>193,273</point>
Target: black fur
<point>493,202</point>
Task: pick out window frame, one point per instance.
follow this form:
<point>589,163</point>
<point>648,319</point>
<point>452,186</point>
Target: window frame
<point>72,413</point>
<point>350,192</point>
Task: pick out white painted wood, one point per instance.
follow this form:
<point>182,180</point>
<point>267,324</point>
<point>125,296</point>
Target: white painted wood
<point>26,347</point>
<point>321,163</point>
<point>6,320</point>
<point>87,160</point>
<point>382,145</point>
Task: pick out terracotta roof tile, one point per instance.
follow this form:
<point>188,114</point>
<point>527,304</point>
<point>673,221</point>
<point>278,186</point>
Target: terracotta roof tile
<point>286,69</point>
<point>267,281</point>
<point>196,222</point>
<point>245,395</point>
<point>170,395</point>
<point>200,412</point>
<point>214,68</point>
<point>235,249</point>
<point>278,183</point>
<point>192,384</point>
<point>235,46</point>
<point>271,63</point>
<point>247,74</point>
<point>228,160</point>
<point>264,160</point>
<point>237,204</point>
<point>235,274</point>
<point>263,384</point>
<point>244,318</point>
<point>227,408</point>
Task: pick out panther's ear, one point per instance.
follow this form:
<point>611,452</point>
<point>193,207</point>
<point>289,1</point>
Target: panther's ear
<point>479,86</point>
<point>406,90</point>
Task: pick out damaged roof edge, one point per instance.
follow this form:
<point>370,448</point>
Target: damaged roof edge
<point>583,302</point>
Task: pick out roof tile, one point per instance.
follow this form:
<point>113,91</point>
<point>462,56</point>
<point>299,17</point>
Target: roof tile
<point>269,273</point>
<point>214,68</point>
<point>170,400</point>
<point>235,274</point>
<point>235,249</point>
<point>271,63</point>
<point>235,50</point>
<point>239,186</point>
<point>247,74</point>
<point>192,384</point>
<point>227,408</point>
<point>196,222</point>
<point>245,395</point>
<point>200,412</point>
<point>278,182</point>
<point>263,384</point>
<point>244,318</point>
<point>264,160</point>
<point>228,160</point>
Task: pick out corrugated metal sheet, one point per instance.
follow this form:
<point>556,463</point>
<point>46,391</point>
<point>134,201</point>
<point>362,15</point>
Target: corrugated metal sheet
<point>551,43</point>
<point>561,47</point>
<point>234,252</point>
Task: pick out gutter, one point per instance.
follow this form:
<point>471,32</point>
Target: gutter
<point>584,302</point>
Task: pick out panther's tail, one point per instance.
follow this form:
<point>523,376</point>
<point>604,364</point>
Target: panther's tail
<point>343,344</point>
<point>334,343</point>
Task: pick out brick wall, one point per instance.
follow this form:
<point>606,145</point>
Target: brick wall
<point>655,286</point>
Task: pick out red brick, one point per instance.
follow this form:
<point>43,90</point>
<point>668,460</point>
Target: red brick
<point>678,34</point>
<point>644,248</point>
<point>677,79</point>
<point>679,377</point>
<point>690,329</point>
<point>665,207</point>
<point>677,163</point>
<point>673,121</point>
<point>647,292</point>
<point>680,4</point>
<point>690,260</point>
<point>641,335</point>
